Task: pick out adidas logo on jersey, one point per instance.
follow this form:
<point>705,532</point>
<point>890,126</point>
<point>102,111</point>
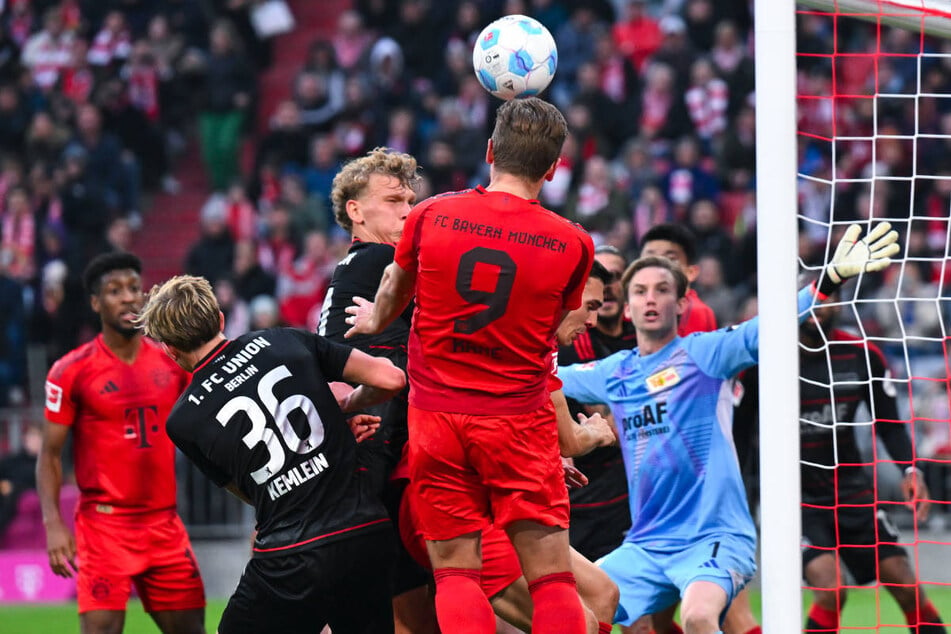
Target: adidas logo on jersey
<point>109,388</point>
<point>711,563</point>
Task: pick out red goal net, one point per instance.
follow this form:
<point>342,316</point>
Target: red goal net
<point>874,143</point>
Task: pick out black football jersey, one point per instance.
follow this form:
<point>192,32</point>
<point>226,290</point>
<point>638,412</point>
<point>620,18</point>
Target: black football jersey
<point>359,275</point>
<point>860,374</point>
<point>604,466</point>
<point>833,469</point>
<point>259,413</point>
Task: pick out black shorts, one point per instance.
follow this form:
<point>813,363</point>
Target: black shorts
<point>594,532</point>
<point>407,574</point>
<point>345,584</point>
<point>865,537</point>
<point>379,454</point>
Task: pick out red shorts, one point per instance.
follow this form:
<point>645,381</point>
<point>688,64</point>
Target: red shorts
<point>471,471</point>
<point>500,565</point>
<point>150,550</point>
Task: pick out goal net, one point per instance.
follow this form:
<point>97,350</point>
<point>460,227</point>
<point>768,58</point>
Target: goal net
<point>873,94</point>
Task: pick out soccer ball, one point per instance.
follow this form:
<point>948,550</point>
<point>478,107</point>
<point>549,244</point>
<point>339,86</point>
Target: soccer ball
<point>515,56</point>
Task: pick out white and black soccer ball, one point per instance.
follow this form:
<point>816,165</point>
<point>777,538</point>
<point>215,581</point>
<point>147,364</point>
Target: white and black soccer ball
<point>515,56</point>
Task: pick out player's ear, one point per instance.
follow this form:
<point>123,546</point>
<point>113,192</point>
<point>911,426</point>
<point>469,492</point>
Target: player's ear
<point>550,174</point>
<point>489,153</point>
<point>692,271</point>
<point>171,352</point>
<point>94,303</point>
<point>354,212</point>
<point>221,321</point>
<point>681,305</point>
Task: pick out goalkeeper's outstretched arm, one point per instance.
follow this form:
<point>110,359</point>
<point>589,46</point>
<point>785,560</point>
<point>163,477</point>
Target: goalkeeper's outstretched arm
<point>854,256</point>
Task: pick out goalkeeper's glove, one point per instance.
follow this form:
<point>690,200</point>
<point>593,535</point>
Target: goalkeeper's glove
<point>853,256</point>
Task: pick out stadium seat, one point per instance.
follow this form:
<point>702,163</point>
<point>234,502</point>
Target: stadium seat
<point>26,531</point>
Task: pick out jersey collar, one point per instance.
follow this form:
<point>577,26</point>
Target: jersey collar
<point>480,189</point>
<point>208,357</point>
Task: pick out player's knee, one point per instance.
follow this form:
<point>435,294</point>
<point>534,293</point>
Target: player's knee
<point>832,600</point>
<point>101,622</point>
<point>905,596</point>
<point>699,622</point>
<point>601,595</point>
<point>699,617</point>
<point>611,598</point>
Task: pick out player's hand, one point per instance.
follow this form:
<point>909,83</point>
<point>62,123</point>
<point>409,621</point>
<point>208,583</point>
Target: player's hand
<point>915,491</point>
<point>61,548</point>
<point>361,318</point>
<point>574,479</point>
<point>602,429</point>
<point>853,256</point>
<point>363,426</point>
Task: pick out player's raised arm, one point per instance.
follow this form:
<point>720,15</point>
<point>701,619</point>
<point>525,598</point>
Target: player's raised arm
<point>854,256</point>
<point>379,380</point>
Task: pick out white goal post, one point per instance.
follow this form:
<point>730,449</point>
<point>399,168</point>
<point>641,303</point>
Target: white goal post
<point>777,268</point>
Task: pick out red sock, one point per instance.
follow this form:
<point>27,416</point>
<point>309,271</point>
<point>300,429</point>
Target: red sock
<point>925,615</point>
<point>675,629</point>
<point>461,605</point>
<point>604,628</point>
<point>557,605</point>
<point>756,630</point>
<point>822,619</point>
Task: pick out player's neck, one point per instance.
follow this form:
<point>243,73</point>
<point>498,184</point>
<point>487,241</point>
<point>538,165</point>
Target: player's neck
<point>651,342</point>
<point>190,360</point>
<point>125,348</point>
<point>363,235</point>
<point>515,185</point>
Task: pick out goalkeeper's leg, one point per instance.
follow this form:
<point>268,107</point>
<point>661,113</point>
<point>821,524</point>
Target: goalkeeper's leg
<point>922,617</point>
<point>828,597</point>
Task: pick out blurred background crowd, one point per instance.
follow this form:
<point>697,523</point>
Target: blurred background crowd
<point>102,102</point>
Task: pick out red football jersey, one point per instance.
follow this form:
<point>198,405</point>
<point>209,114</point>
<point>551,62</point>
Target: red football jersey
<point>495,274</point>
<point>122,454</point>
<point>697,317</point>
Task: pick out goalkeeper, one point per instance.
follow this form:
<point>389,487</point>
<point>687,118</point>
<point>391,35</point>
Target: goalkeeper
<point>692,537</point>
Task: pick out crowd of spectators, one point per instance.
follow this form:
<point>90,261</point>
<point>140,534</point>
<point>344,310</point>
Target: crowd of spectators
<point>659,98</point>
<point>658,94</point>
<point>97,98</point>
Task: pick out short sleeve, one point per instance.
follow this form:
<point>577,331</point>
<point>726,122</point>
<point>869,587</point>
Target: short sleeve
<point>331,357</point>
<point>584,382</point>
<point>60,404</point>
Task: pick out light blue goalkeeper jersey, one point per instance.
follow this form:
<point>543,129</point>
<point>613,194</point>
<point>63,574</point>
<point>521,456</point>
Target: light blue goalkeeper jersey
<point>674,415</point>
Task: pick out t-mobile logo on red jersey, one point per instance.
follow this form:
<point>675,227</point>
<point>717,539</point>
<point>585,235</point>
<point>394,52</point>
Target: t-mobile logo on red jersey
<point>140,422</point>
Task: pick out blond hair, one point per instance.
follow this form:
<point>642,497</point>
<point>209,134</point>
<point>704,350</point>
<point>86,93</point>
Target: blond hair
<point>351,182</point>
<point>182,313</point>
